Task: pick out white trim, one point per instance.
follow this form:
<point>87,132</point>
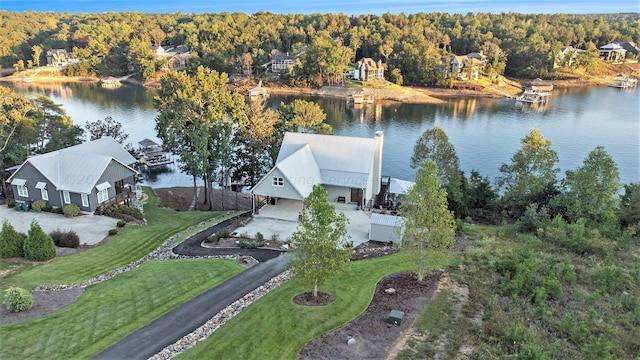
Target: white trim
<point>23,191</point>
<point>44,194</point>
<point>19,182</point>
<point>85,200</point>
<point>277,181</point>
<point>103,186</point>
<point>41,185</point>
<point>103,195</point>
<point>66,196</point>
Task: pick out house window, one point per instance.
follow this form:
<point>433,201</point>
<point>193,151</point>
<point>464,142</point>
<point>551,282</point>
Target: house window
<point>45,194</point>
<point>85,200</point>
<point>67,197</point>
<point>23,191</point>
<point>103,195</point>
<point>278,181</point>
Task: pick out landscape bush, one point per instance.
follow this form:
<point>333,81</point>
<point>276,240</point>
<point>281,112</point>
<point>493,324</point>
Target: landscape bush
<point>121,223</point>
<point>11,242</point>
<point>17,299</point>
<point>220,234</point>
<point>38,205</point>
<point>259,237</point>
<point>248,243</point>
<point>113,232</point>
<point>123,212</point>
<point>11,204</point>
<point>38,245</point>
<point>71,210</point>
<point>68,239</point>
<point>57,210</point>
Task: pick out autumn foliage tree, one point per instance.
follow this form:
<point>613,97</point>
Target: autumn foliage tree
<point>320,240</point>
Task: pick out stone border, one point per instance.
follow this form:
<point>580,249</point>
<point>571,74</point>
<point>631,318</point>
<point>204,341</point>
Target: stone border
<point>163,252</point>
<point>203,332</point>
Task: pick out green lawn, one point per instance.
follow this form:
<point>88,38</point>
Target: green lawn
<point>109,311</point>
<point>275,328</point>
<point>131,244</point>
<point>126,302</point>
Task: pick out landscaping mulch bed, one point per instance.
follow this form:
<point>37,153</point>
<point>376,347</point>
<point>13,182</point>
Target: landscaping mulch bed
<point>372,336</point>
<point>44,302</point>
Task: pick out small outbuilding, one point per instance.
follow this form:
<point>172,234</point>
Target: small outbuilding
<point>386,228</point>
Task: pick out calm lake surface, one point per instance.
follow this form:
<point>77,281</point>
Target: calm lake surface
<point>485,132</point>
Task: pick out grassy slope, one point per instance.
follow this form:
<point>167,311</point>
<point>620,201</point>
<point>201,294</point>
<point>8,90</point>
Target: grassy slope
<point>131,244</point>
<point>126,303</point>
<point>109,311</point>
<point>275,328</point>
<point>596,314</point>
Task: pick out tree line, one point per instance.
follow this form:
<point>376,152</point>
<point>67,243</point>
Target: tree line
<point>529,195</point>
<point>411,46</point>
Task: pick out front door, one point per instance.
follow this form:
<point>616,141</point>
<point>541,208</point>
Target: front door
<point>356,195</point>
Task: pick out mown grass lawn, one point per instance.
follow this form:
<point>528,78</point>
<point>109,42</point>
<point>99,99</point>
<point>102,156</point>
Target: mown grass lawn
<point>131,244</point>
<point>110,310</point>
<point>276,328</point>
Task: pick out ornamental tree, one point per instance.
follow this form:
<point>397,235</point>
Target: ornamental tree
<point>320,239</point>
<point>428,223</point>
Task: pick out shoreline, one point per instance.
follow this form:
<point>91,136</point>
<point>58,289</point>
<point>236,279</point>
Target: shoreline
<point>402,94</point>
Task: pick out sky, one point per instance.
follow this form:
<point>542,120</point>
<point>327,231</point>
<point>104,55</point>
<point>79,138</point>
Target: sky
<point>347,7</point>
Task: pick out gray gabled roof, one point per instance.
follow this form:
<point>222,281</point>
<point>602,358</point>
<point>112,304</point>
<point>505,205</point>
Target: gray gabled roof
<point>107,146</point>
<point>78,168</point>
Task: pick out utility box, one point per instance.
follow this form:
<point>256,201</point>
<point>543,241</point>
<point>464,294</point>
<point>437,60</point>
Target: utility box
<point>386,228</point>
<point>395,317</point>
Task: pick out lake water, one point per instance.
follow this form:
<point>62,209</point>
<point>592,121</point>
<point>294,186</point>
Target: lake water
<point>485,132</point>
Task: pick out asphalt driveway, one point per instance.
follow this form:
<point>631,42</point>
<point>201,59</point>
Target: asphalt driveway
<point>90,228</point>
<point>171,327</point>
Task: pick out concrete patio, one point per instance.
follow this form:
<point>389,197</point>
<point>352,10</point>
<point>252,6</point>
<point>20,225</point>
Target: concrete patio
<point>282,220</point>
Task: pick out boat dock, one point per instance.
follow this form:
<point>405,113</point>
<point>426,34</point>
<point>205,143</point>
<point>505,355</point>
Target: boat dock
<point>151,154</point>
<point>623,81</point>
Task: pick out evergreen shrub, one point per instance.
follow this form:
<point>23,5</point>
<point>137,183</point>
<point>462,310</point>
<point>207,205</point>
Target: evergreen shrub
<point>38,205</point>
<point>38,246</point>
<point>123,212</point>
<point>71,210</point>
<point>11,242</point>
<point>17,299</point>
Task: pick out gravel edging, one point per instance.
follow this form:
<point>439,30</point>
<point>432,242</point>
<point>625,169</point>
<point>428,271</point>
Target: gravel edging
<point>207,329</point>
<point>163,252</point>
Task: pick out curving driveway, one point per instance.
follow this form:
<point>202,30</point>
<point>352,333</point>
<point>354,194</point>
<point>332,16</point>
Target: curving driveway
<point>169,328</point>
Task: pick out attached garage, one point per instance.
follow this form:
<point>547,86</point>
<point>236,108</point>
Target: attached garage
<point>386,228</point>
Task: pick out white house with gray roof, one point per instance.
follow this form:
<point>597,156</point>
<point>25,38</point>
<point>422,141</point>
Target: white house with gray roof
<point>88,175</point>
<point>349,168</point>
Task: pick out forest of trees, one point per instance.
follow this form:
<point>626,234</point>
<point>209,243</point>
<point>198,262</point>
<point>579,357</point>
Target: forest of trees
<point>520,45</point>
